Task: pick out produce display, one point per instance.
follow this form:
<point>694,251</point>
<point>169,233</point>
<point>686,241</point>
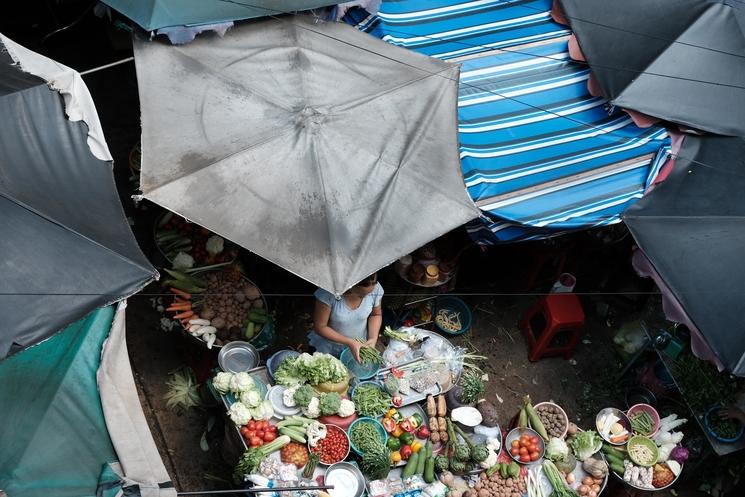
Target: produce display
<point>436,448</point>
<point>642,423</point>
<point>218,306</point>
<point>187,245</point>
<point>650,463</point>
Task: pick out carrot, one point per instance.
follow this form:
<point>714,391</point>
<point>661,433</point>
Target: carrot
<point>180,292</point>
<point>619,438</point>
<point>183,315</point>
<point>180,307</point>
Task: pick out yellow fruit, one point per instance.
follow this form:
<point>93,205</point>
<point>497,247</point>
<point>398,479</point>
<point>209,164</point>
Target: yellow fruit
<point>416,446</point>
<point>395,457</point>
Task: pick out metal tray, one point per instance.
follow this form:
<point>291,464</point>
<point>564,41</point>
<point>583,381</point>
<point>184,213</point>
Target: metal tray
<point>407,411</point>
<point>414,397</point>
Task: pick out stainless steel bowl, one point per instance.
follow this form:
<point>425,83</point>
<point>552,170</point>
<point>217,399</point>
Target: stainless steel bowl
<point>346,478</point>
<point>623,420</point>
<point>237,357</point>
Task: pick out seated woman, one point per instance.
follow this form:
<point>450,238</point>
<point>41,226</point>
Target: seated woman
<point>340,322</point>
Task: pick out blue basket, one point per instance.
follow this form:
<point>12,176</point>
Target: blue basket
<point>361,371</point>
<point>378,427</point>
<point>272,364</point>
<point>453,304</point>
<point>714,434</point>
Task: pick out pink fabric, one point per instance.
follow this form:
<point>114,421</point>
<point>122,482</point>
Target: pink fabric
<point>642,120</point>
<point>676,138</point>
<point>673,310</point>
<point>575,52</point>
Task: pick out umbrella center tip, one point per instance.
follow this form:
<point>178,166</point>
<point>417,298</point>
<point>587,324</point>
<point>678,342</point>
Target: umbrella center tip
<point>311,116</point>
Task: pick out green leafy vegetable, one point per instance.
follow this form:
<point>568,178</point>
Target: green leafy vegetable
<point>314,369</point>
<point>585,444</point>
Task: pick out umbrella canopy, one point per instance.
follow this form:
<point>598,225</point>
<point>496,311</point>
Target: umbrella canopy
<point>319,148</point>
<point>677,60</point>
<point>156,14</point>
<point>66,245</point>
<point>78,427</point>
<point>692,229</point>
<point>539,154</point>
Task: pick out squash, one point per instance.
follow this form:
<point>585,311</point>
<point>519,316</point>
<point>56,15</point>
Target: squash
<point>595,468</point>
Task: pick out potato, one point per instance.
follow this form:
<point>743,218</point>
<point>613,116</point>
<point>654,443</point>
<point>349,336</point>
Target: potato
<point>483,493</point>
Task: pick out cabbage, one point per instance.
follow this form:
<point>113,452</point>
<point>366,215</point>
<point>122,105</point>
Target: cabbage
<point>263,411</point>
<point>251,398</point>
<point>221,382</point>
<point>585,444</point>
<point>557,449</point>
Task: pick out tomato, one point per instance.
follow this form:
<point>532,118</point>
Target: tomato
<point>269,436</point>
<point>251,425</point>
<point>524,439</point>
<point>524,451</point>
<point>534,440</point>
<point>516,443</point>
<point>254,442</point>
<point>534,456</point>
<point>524,458</point>
<point>515,451</point>
<point>244,430</point>
<point>273,429</point>
<point>251,433</point>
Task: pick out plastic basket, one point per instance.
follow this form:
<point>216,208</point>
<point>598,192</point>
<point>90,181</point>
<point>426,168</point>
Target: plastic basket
<point>361,371</point>
<point>379,427</point>
<point>453,304</point>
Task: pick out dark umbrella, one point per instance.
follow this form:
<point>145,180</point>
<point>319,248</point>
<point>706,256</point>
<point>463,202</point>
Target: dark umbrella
<point>677,60</point>
<point>66,247</point>
<point>692,229</point>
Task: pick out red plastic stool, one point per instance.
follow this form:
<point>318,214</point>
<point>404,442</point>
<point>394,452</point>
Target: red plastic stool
<point>553,326</point>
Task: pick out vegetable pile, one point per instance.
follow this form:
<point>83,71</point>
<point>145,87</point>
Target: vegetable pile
<point>249,404</point>
<point>251,459</point>
<point>333,447</point>
<point>369,355</point>
<point>553,419</point>
<point>312,369</point>
<point>370,400</point>
<point>501,480</point>
<point>364,435</point>
<point>403,433</point>
<point>257,433</point>
<point>188,244</point>
<point>294,453</point>
<point>526,449</point>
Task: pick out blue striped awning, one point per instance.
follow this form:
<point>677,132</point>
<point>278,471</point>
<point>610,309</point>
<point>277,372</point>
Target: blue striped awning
<point>539,154</point>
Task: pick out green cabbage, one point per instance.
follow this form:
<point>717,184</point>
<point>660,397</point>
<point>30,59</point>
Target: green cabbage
<point>585,444</point>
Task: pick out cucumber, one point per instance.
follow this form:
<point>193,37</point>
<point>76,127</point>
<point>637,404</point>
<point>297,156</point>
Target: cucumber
<point>428,446</point>
<point>411,465</point>
<point>290,422</point>
<point>257,317</point>
<point>250,330</point>
<point>618,468</point>
<point>420,462</point>
<point>429,470</point>
<point>164,220</point>
<point>295,435</point>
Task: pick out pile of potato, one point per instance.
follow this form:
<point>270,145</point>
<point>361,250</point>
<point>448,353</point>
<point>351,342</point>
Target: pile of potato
<point>496,486</point>
<point>553,419</point>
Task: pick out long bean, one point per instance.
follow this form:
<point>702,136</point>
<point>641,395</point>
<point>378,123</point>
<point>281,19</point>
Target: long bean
<point>642,423</point>
<point>364,435</point>
<point>369,355</point>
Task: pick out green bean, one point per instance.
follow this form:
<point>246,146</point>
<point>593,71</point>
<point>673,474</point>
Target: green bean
<point>364,436</point>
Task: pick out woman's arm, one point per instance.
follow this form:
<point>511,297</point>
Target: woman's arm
<point>374,322</point>
<point>321,315</point>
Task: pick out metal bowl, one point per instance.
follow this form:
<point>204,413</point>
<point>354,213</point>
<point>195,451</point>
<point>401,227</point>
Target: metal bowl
<point>515,434</point>
<point>623,419</point>
<point>237,357</point>
<point>349,445</point>
<point>346,478</point>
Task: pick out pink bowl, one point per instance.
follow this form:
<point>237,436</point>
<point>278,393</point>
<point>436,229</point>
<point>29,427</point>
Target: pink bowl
<point>651,411</point>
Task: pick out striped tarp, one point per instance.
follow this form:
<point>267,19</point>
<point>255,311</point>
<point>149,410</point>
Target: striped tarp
<point>539,154</point>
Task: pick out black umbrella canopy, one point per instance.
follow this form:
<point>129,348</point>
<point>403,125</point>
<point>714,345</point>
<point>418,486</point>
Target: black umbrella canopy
<point>677,60</point>
<point>66,247</point>
<point>692,228</point>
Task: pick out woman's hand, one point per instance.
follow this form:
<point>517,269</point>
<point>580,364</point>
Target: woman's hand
<point>355,347</point>
<point>371,343</point>
<point>732,413</point>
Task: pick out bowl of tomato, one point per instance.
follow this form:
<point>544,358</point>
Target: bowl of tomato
<point>332,448</point>
<point>525,446</point>
<point>257,433</point>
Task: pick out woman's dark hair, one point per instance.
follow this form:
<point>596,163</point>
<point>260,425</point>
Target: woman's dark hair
<point>370,280</point>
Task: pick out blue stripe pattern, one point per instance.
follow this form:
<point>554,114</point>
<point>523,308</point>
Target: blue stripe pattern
<point>540,156</point>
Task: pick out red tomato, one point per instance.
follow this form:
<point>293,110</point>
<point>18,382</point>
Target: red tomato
<point>273,429</point>
<point>534,456</point>
<point>535,440</point>
<point>251,425</point>
<point>524,458</point>
<point>516,443</point>
<point>524,451</point>
<point>515,451</point>
<point>251,433</point>
<point>254,442</point>
<point>244,430</point>
<point>269,436</point>
<point>524,439</point>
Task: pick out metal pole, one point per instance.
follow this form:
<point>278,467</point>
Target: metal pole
<point>257,490</point>
<point>99,68</point>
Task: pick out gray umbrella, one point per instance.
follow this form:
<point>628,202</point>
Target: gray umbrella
<point>320,148</point>
<point>66,247</point>
<point>692,229</point>
<point>677,60</point>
